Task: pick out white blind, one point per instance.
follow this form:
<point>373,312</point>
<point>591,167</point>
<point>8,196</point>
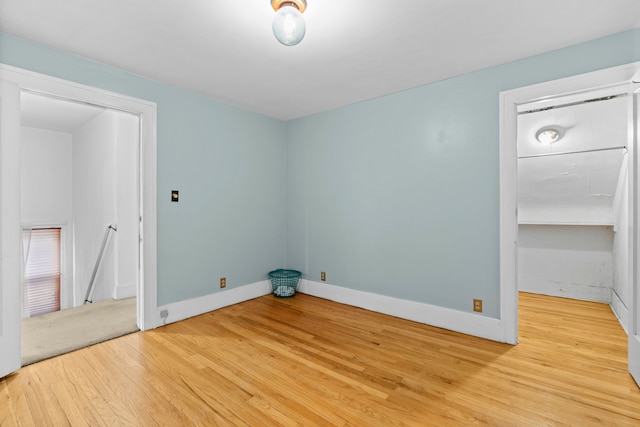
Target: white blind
<point>42,270</point>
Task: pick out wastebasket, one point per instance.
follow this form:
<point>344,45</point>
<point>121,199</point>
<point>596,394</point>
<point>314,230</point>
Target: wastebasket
<point>284,282</point>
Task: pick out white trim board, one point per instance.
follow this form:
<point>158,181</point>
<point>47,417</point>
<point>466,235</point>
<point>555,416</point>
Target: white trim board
<point>560,289</point>
<point>147,111</point>
<point>196,306</point>
<point>619,310</point>
<point>446,318</point>
<point>441,317</point>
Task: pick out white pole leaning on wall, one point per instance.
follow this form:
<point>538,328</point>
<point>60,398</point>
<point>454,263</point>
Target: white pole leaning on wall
<point>88,297</point>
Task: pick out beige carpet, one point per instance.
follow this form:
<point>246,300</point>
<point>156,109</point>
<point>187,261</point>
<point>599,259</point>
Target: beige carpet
<point>63,331</point>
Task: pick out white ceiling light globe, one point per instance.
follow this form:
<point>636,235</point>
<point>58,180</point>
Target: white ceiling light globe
<point>289,26</point>
<point>548,135</point>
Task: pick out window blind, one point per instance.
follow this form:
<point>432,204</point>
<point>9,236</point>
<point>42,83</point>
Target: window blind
<point>42,270</point>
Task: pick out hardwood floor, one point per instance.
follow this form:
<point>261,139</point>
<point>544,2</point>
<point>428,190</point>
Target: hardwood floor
<point>310,362</point>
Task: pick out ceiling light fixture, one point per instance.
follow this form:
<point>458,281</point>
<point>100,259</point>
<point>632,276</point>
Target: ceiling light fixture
<point>288,24</point>
<point>547,135</point>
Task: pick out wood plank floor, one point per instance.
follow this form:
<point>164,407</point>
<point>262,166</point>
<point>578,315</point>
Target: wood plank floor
<point>310,362</point>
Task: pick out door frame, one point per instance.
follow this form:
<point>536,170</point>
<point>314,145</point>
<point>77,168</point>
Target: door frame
<point>10,255</point>
<point>633,327</point>
<point>606,79</point>
<point>147,177</point>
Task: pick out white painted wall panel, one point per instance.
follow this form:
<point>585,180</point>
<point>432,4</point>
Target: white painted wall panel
<point>46,195</point>
<point>94,202</point>
<point>567,261</point>
<point>569,189</point>
<point>127,236</point>
<point>620,253</point>
<point>45,176</point>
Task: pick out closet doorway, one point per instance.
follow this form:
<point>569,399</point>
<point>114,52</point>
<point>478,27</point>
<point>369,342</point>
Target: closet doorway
<point>573,200</point>
<point>599,86</point>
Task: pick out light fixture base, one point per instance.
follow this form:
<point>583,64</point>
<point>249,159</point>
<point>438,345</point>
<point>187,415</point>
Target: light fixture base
<point>301,5</point>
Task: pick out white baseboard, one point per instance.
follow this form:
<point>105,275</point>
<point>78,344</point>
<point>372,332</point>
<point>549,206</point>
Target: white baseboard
<point>125,291</point>
<point>620,310</point>
<point>446,318</point>
<point>193,307</point>
<point>555,288</point>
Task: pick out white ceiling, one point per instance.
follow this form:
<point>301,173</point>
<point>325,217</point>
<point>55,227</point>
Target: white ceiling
<point>353,50</point>
<point>43,112</point>
<point>575,188</point>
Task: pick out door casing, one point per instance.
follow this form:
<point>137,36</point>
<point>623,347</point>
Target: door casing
<point>609,80</point>
<point>147,111</point>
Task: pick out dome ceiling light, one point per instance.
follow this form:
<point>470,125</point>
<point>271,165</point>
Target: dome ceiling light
<point>288,24</point>
<point>548,135</point>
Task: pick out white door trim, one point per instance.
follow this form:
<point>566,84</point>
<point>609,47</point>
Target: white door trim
<point>10,254</point>
<point>609,78</point>
<point>147,111</point>
<point>633,329</point>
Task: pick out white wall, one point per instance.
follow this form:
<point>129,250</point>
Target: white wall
<point>573,261</point>
<point>105,188</point>
<point>46,192</point>
<point>620,293</point>
<point>128,220</point>
<point>45,178</point>
<point>94,203</point>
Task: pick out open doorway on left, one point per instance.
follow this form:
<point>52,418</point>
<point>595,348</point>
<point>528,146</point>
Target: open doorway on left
<point>79,203</point>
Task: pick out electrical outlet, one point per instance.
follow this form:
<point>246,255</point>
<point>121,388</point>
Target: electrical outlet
<point>477,305</point>
<point>175,196</point>
<point>163,315</point>
<point>223,282</point>
<point>323,276</point>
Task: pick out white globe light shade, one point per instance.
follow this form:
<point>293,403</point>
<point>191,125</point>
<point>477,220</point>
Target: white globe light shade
<point>548,135</point>
<point>289,26</point>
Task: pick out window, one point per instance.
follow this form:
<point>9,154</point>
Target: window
<point>42,270</point>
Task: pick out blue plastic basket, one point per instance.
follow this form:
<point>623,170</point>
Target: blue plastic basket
<point>284,282</point>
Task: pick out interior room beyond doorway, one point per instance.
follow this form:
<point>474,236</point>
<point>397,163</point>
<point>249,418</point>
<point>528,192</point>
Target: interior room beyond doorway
<point>79,167</point>
<point>573,200</point>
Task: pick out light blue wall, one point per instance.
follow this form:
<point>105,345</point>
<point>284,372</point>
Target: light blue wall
<point>396,196</point>
<point>400,195</point>
<point>227,163</point>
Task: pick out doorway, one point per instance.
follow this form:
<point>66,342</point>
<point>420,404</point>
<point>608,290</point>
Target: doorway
<point>573,199</point>
<point>593,85</point>
<point>78,173</point>
<point>618,80</point>
<point>13,81</point>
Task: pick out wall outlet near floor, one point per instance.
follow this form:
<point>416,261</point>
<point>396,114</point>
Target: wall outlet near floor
<point>477,305</point>
<point>323,276</point>
<point>223,282</point>
<point>164,314</point>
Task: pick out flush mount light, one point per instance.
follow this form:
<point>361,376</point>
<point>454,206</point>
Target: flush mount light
<point>547,135</point>
<point>288,24</point>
